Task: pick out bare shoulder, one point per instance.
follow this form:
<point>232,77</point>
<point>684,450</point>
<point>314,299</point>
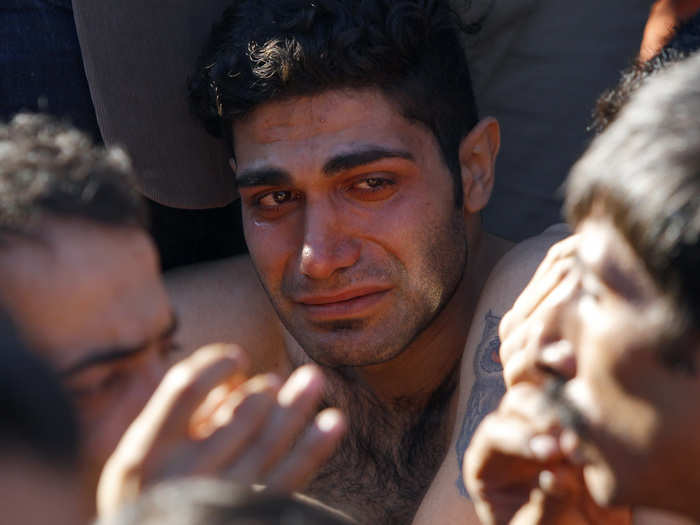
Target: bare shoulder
<point>223,301</point>
<point>481,381</point>
<point>516,268</point>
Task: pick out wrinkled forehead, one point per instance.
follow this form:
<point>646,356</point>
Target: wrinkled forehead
<point>81,286</point>
<point>317,127</point>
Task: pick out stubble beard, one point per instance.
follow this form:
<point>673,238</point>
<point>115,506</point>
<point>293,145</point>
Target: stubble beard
<point>333,344</point>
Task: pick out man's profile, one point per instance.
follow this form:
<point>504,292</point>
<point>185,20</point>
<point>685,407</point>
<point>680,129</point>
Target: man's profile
<point>617,336</point>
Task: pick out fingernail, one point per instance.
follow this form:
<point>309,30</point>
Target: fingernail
<point>329,420</point>
<point>543,447</point>
<point>295,385</point>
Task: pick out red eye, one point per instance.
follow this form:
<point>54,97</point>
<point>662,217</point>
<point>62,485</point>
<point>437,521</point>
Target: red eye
<point>373,188</point>
<point>274,199</point>
<point>373,183</point>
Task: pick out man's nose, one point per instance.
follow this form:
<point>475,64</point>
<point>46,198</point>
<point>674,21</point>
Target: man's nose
<point>327,246</point>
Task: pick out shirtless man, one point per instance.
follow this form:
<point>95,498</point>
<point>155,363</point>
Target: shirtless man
<point>362,168</point>
<point>610,322</point>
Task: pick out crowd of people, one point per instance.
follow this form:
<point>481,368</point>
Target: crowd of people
<point>387,347</point>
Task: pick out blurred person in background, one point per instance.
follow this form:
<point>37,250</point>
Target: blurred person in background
<point>79,276</point>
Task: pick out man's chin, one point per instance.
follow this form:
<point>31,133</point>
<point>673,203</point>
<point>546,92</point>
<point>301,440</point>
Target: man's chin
<point>346,347</point>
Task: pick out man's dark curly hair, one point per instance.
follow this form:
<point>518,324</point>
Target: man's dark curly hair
<point>265,50</point>
<point>685,42</point>
<point>47,167</point>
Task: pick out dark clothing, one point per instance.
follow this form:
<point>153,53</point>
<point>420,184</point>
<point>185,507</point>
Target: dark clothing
<point>40,64</point>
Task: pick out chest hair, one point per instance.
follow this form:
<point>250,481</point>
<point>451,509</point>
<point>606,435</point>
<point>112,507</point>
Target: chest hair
<point>389,456</point>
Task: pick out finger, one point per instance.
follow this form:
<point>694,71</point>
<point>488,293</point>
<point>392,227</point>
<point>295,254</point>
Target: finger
<point>533,294</point>
<point>208,416</point>
<point>537,345</point>
<point>238,423</point>
<point>296,403</point>
<point>531,404</point>
<point>517,363</point>
<point>514,342</point>
<point>169,412</point>
<point>317,444</point>
<point>556,263</point>
<point>500,442</point>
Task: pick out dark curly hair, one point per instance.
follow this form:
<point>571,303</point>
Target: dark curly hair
<point>264,50</point>
<point>685,42</point>
<point>47,167</point>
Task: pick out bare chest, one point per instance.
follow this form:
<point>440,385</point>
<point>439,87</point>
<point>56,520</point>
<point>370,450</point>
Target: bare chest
<point>388,459</point>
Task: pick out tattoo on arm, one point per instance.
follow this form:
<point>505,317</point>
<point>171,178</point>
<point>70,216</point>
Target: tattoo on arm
<point>487,390</point>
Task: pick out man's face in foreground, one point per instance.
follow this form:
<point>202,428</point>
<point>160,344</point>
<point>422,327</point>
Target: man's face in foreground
<point>90,300</point>
<point>637,418</point>
<point>349,214</point>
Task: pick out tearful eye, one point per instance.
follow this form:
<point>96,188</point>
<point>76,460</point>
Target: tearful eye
<point>276,198</point>
<point>373,189</point>
<point>373,183</point>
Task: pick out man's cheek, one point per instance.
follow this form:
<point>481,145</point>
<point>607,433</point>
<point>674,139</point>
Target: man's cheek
<point>271,254</point>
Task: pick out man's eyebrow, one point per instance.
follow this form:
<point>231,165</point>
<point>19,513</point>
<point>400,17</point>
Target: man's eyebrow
<point>348,161</point>
<point>105,356</point>
<point>265,176</point>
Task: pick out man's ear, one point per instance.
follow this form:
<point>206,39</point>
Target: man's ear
<point>232,163</point>
<point>477,160</point>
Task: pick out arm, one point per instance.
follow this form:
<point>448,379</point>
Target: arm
<point>481,385</point>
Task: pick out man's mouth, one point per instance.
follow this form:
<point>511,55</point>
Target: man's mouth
<point>346,304</point>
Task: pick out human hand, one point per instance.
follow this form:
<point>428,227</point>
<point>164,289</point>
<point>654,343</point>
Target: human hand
<point>523,468</point>
<point>206,419</point>
<point>522,330</point>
